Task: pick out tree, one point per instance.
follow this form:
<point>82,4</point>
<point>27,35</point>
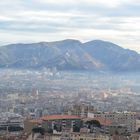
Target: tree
<point>38,130</point>
<point>76,129</point>
<point>93,123</point>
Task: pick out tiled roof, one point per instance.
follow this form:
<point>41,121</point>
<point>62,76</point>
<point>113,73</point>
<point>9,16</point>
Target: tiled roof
<point>35,121</point>
<point>59,117</point>
<point>102,121</point>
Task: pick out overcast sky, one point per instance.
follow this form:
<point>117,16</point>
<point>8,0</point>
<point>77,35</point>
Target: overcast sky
<point>117,21</point>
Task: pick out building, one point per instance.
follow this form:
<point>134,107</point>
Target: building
<point>83,136</point>
<point>74,136</point>
<point>138,125</point>
<point>119,118</point>
<point>81,109</point>
<point>11,124</point>
<point>59,122</point>
<point>120,129</point>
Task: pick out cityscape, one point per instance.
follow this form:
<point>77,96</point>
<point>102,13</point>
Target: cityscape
<point>70,70</point>
<point>63,105</point>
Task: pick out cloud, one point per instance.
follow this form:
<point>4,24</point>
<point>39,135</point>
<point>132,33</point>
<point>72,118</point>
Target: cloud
<point>46,20</point>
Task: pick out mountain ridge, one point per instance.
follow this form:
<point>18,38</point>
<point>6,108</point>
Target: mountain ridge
<point>69,54</point>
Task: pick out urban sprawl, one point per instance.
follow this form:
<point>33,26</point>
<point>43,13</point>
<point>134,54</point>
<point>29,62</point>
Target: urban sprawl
<point>52,105</point>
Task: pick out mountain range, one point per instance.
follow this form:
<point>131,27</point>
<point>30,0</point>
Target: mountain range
<point>96,55</point>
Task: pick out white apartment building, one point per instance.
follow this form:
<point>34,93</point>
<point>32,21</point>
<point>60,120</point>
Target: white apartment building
<point>120,118</point>
<point>8,119</point>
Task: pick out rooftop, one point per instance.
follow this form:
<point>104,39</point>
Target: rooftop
<point>35,121</point>
<point>102,121</point>
<point>59,117</point>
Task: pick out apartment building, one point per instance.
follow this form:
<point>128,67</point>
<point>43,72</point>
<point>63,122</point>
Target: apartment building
<point>58,122</point>
<point>81,109</point>
<point>8,119</point>
<point>120,118</point>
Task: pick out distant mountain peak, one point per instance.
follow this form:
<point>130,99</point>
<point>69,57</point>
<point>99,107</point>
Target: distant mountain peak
<point>70,54</point>
<point>103,43</point>
<point>71,40</point>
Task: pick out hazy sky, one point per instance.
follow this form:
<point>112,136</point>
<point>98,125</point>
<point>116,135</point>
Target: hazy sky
<point>117,21</point>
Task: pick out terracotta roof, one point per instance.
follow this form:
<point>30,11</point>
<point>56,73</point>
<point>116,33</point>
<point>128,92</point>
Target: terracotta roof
<point>102,121</point>
<point>35,121</point>
<point>59,117</point>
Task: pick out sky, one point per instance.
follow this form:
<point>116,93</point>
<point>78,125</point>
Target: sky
<point>27,21</point>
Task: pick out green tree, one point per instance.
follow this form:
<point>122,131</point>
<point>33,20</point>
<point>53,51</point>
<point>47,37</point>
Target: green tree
<point>38,130</point>
<point>93,123</point>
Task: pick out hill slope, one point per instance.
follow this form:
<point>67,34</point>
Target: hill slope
<point>70,55</point>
